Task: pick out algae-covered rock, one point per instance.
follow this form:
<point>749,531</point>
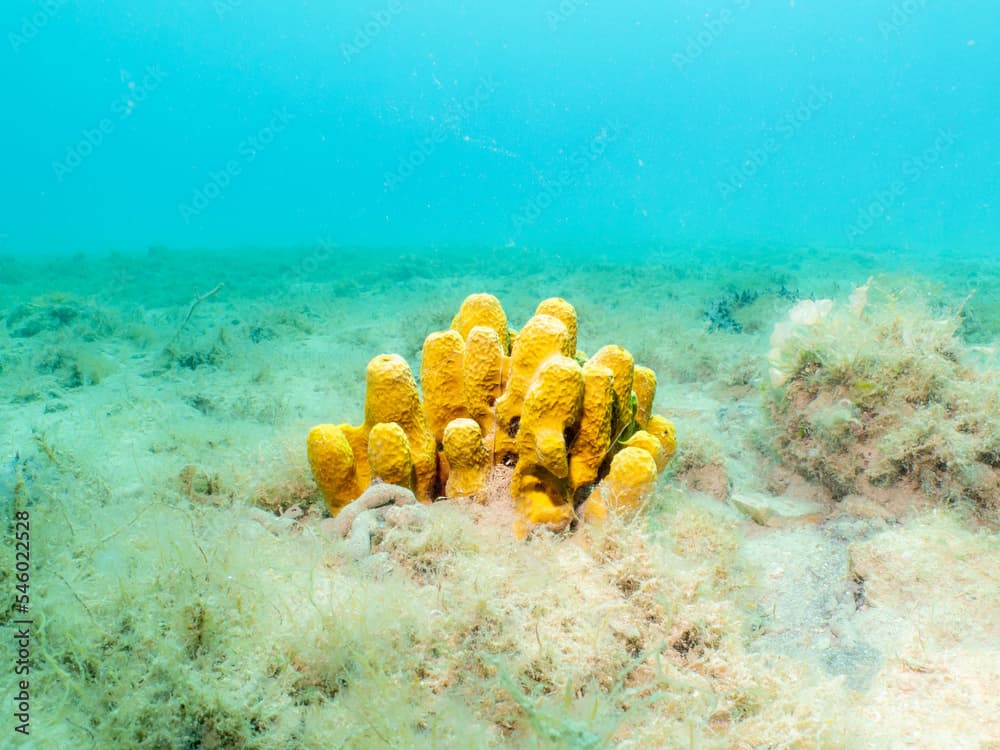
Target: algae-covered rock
<point>58,311</point>
<point>880,397</point>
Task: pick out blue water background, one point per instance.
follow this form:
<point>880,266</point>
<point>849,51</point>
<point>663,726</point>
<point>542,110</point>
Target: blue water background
<point>221,123</point>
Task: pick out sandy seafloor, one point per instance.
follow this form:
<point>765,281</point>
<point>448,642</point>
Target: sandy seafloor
<point>177,604</point>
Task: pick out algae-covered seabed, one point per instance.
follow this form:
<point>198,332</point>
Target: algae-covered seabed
<point>177,603</point>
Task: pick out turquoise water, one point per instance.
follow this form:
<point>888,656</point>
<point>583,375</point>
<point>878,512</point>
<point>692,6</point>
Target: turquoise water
<point>571,123</point>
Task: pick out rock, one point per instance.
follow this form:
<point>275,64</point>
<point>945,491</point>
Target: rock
<point>779,511</point>
<point>863,507</point>
<point>711,479</point>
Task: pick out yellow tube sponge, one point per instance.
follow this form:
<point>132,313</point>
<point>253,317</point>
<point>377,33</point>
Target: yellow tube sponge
<point>593,439</point>
<point>652,445</point>
<point>663,430</point>
<point>392,396</point>
<point>482,368</point>
<point>332,462</point>
<point>357,438</point>
<point>541,337</point>
<point>441,380</point>
<point>482,310</point>
<point>539,498</point>
<point>468,459</point>
<point>644,386</point>
<point>540,484</point>
<point>579,433</point>
<point>551,408</point>
<point>628,484</point>
<point>389,455</point>
<point>562,310</point>
<point>620,362</point>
